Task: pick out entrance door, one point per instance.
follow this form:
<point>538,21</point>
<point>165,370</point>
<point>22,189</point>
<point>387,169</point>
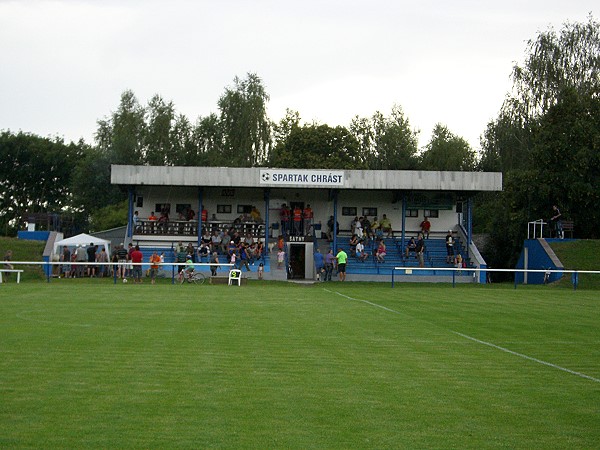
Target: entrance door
<point>297,260</point>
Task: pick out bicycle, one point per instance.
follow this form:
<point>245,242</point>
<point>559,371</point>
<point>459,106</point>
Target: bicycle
<point>191,277</point>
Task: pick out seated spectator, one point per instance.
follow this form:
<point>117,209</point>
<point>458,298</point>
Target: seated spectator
<point>411,246</point>
<point>386,226</point>
<point>361,254</point>
<point>381,251</point>
<point>353,242</point>
<point>375,229</point>
<point>203,251</point>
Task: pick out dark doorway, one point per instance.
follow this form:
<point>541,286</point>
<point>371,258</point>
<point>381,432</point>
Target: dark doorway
<point>297,260</point>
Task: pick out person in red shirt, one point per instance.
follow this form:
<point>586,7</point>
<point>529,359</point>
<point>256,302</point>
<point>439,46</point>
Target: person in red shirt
<point>297,221</point>
<point>308,217</point>
<point>136,259</point>
<point>285,219</point>
<point>425,227</point>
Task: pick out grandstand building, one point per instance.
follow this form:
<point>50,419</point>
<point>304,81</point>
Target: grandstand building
<point>193,199</point>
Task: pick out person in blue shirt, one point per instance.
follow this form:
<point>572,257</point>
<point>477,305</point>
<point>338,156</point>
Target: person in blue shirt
<point>319,264</point>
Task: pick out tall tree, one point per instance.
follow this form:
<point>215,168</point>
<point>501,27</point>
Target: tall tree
<point>447,151</point>
<point>121,136</point>
<point>386,142</point>
<point>158,143</point>
<point>35,174</point>
<point>318,146</point>
<point>246,127</point>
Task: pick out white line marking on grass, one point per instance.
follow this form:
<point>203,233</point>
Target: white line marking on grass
<point>489,344</point>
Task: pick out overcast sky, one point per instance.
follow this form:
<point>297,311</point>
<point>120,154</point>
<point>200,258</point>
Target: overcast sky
<point>66,63</point>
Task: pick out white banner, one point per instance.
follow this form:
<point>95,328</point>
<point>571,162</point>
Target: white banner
<point>301,177</point>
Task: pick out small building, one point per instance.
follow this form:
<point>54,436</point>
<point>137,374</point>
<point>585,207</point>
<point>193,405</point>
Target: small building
<point>187,201</point>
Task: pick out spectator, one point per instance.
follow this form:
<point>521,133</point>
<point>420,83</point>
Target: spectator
<point>319,264</point>
<point>122,261</point>
<point>353,242</point>
<point>425,227</point>
<point>386,226</point>
<point>329,262</point>
<point>154,265</point>
<point>420,250</point>
<point>66,258</point>
<point>214,264</point>
<point>411,247</point>
<point>330,226</point>
<point>284,214</point>
<point>261,269</point>
<point>91,258</point>
<point>556,222</point>
<point>381,251</point>
<point>102,268</point>
<point>136,261</point>
<point>280,258</point>
<point>297,216</point>
<point>360,251</point>
<point>307,215</point>
<point>7,262</point>
<point>449,247</point>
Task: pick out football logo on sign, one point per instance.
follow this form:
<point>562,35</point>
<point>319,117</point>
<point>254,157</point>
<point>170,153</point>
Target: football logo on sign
<point>266,176</point>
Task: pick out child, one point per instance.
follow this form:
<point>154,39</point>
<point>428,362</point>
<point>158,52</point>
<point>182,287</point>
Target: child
<point>261,268</point>
<point>280,258</point>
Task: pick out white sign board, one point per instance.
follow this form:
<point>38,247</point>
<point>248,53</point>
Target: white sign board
<point>301,177</point>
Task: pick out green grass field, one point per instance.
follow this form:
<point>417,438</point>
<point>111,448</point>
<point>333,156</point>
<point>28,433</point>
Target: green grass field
<point>89,364</point>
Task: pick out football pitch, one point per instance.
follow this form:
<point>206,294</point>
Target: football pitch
<point>89,364</point>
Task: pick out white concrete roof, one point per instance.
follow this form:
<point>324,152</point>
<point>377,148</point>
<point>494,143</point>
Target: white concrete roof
<point>306,178</point>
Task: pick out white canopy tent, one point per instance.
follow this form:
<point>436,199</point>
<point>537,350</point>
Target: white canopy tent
<point>82,239</point>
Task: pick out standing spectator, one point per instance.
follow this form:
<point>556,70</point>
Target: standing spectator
<point>214,264</point>
<point>319,264</point>
<point>330,227</point>
<point>244,256</point>
<point>152,219</point>
<point>297,221</point>
<point>425,227</point>
<point>136,261</point>
<point>122,261</point>
<point>342,258</point>
<point>280,258</point>
<point>91,258</point>
<point>284,214</point>
<point>80,257</point>
<point>7,264</point>
<point>329,262</point>
<point>102,259</point>
<point>556,222</point>
<point>261,269</point>
<point>136,222</point>
<point>154,265</point>
<point>420,249</point>
<point>307,215</point>
<point>66,258</point>
<point>180,257</point>
<point>449,247</point>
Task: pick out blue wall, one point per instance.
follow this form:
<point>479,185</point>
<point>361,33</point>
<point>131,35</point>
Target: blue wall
<point>538,259</point>
<point>33,235</point>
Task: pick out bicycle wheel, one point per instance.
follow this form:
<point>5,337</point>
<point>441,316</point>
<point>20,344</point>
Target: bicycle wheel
<point>198,277</point>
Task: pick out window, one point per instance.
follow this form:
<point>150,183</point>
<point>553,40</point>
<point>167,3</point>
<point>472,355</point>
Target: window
<point>182,207</point>
<point>223,209</point>
<point>435,213</point>
<point>412,213</point>
<point>348,211</point>
<point>369,212</point>
<point>163,208</point>
<point>244,209</point>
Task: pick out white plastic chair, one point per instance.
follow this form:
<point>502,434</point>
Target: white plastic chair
<point>235,276</point>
